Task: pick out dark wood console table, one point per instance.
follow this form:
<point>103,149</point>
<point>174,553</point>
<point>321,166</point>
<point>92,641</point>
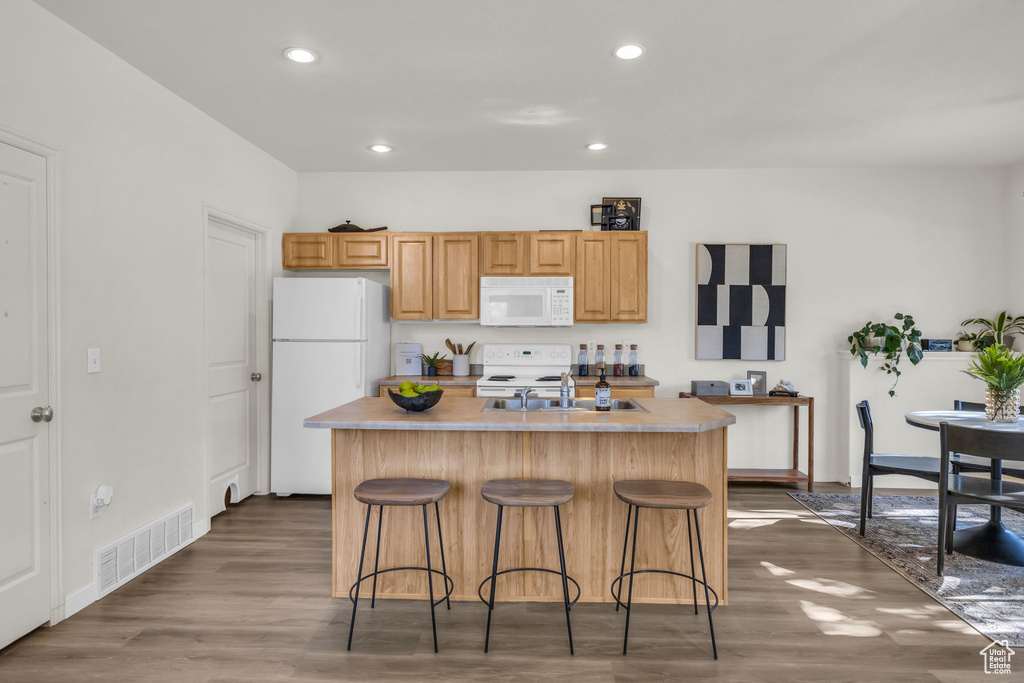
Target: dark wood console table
<point>770,475</point>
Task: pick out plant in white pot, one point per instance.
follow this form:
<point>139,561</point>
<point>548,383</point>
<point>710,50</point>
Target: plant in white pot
<point>1002,371</point>
<point>998,330</point>
<point>890,341</point>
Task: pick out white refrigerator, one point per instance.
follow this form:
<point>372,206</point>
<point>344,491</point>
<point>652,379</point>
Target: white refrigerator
<point>332,341</point>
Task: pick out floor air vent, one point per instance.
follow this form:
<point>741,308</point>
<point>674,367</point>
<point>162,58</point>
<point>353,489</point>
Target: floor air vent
<point>125,559</point>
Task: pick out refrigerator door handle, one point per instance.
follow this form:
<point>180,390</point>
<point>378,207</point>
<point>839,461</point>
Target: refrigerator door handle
<point>361,367</point>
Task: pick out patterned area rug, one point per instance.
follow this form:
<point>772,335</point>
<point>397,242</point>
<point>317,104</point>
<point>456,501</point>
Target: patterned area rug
<point>904,534</point>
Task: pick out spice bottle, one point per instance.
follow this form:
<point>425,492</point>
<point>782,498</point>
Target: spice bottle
<point>617,361</point>
<point>582,361</point>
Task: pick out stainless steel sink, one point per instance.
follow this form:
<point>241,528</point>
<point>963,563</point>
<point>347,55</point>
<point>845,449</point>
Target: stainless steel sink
<point>553,405</point>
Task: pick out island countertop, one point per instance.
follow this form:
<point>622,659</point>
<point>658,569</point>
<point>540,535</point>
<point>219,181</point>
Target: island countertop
<point>466,414</point>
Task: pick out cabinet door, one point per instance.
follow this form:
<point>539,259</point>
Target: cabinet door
<point>629,277</point>
<point>411,275</point>
<point>502,254</point>
<point>301,250</point>
<point>456,275</point>
<point>592,286</point>
<point>551,254</point>
<point>361,251</point>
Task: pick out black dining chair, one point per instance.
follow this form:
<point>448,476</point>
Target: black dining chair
<point>923,467</point>
<point>971,464</point>
<point>957,490</point>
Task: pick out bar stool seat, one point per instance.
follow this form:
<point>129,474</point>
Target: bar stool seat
<point>655,493</point>
<point>401,491</point>
<point>527,492</point>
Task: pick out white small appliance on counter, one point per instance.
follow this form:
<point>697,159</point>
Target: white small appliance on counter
<point>509,368</point>
<point>526,301</point>
<point>332,342</point>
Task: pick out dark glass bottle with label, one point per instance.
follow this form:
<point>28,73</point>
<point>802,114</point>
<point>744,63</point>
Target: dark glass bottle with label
<point>617,361</point>
<point>602,393</point>
<point>582,362</point>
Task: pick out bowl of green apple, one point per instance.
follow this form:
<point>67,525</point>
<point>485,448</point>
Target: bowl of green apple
<point>416,397</point>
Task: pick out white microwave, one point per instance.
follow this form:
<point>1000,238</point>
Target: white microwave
<point>526,301</point>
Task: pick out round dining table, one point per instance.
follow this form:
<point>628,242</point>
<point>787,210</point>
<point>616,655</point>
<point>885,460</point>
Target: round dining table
<point>990,541</point>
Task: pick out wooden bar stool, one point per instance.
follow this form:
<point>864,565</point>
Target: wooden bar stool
<point>405,492</point>
<point>528,493</point>
<point>671,495</point>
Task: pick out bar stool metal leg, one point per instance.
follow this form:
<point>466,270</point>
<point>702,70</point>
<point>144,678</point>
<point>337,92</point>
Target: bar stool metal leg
<point>494,578</point>
<point>440,542</point>
<point>622,564</point>
<point>362,554</point>
<point>565,581</point>
<point>704,577</point>
<point>430,576</point>
<point>376,555</point>
<point>632,568</point>
<point>693,569</point>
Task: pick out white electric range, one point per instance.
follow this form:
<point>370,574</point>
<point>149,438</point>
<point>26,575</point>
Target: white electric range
<point>508,368</point>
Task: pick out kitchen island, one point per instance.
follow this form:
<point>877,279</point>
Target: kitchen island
<point>682,439</point>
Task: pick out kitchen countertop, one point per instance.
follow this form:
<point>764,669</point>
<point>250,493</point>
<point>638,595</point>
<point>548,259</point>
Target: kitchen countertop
<point>465,414</point>
<point>470,380</point>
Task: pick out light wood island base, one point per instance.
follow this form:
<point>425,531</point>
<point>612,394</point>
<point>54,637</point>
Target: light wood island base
<point>594,521</point>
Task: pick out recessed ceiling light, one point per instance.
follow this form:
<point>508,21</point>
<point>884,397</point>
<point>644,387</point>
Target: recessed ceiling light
<point>629,51</point>
<point>382,149</point>
<point>597,146</point>
<point>300,55</point>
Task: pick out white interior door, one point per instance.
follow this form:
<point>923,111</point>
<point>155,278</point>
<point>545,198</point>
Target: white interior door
<point>231,327</point>
<point>24,443</point>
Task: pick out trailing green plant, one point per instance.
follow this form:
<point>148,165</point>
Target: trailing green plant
<point>432,361</point>
<point>890,341</point>
<point>999,328</point>
<point>998,367</point>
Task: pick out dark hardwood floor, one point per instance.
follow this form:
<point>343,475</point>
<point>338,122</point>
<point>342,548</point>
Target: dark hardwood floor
<point>251,601</point>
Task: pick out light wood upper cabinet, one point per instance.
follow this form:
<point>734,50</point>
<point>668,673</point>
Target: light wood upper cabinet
<point>502,254</point>
<point>592,286</point>
<point>300,250</point>
<point>611,277</point>
<point>354,250</point>
<point>456,275</point>
<point>551,254</point>
<point>412,265</point>
<point>629,277</point>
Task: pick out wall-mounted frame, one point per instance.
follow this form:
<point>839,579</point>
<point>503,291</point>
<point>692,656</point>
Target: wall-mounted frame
<point>741,387</point>
<point>758,382</point>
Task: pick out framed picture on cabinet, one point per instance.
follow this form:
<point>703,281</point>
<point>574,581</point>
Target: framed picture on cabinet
<point>620,213</point>
<point>741,387</point>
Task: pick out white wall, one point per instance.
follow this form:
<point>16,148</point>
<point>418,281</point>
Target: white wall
<point>1015,236</point>
<point>863,244</point>
<point>136,164</point>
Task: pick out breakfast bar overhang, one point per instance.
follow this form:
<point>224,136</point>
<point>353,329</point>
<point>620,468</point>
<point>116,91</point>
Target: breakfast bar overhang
<point>675,439</point>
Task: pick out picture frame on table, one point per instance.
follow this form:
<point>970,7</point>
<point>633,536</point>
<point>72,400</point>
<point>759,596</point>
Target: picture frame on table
<point>741,387</point>
<point>759,382</point>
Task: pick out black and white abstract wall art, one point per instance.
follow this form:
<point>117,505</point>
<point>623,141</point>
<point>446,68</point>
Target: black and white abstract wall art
<point>741,301</point>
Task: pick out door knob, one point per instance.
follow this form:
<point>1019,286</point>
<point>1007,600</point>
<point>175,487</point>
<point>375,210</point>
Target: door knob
<point>40,414</point>
<point>256,376</point>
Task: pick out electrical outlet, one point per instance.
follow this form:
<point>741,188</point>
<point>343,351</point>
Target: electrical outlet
<point>626,343</point>
<point>591,346</point>
<point>94,361</point>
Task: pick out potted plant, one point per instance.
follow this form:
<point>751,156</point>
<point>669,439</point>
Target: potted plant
<point>1000,330</point>
<point>431,362</point>
<point>1002,371</point>
<point>890,341</point>
<point>971,342</point>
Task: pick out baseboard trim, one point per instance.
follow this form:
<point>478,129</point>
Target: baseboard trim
<point>79,600</point>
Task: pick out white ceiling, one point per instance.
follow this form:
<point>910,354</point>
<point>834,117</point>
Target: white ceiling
<point>525,84</point>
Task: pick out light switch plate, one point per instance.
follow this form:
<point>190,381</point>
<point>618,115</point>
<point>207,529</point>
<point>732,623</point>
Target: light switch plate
<point>94,360</point>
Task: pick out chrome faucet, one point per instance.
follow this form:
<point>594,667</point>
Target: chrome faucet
<point>563,392</point>
<point>524,394</point>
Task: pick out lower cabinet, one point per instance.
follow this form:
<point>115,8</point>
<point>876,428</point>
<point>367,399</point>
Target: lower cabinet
<point>587,391</point>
